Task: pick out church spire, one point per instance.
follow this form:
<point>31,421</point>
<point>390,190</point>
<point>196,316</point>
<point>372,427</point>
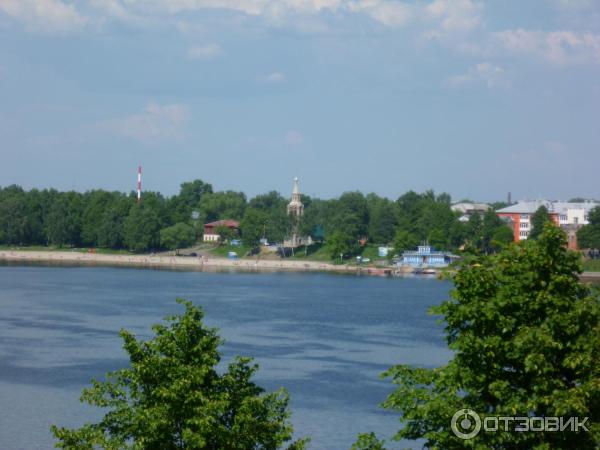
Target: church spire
<point>295,206</point>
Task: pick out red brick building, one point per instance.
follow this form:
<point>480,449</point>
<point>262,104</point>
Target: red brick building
<point>519,217</point>
<point>210,229</point>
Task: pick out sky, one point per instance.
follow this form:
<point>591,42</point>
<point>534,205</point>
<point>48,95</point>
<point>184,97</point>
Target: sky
<point>467,97</point>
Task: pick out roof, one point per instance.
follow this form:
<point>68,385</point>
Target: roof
<point>226,223</point>
<point>296,188</point>
<point>526,207</point>
<point>467,206</point>
<point>529,207</point>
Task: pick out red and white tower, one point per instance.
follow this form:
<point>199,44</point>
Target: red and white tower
<point>139,184</point>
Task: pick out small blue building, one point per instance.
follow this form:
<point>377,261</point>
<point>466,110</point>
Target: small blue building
<point>426,256</point>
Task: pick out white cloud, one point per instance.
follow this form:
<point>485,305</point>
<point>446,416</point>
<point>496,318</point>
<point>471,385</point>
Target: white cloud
<point>205,51</point>
<point>557,47</point>
<point>117,10</point>
<point>447,15</point>
<point>44,15</point>
<point>485,72</point>
<point>390,13</point>
<point>155,124</point>
<point>455,15</point>
<point>275,77</point>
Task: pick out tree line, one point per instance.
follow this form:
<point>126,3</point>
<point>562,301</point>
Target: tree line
<point>115,220</point>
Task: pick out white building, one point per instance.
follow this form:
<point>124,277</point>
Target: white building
<point>574,213</point>
<point>467,209</point>
<point>564,214</point>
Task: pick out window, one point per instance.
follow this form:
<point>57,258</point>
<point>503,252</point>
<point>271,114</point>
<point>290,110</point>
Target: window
<point>523,233</point>
<point>575,220</point>
<point>524,225</point>
<point>524,216</point>
<point>563,218</point>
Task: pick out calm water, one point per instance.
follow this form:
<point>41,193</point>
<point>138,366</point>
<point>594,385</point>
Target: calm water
<point>325,338</point>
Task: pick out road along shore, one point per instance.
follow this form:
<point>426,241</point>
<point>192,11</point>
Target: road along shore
<point>175,262</point>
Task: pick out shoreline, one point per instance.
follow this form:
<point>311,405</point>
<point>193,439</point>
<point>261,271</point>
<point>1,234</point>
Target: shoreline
<point>200,263</point>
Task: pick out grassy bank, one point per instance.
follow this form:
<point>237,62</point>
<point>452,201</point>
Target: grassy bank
<point>52,248</point>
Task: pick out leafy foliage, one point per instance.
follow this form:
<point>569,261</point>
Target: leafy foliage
<point>588,236</point>
<point>177,236</point>
<point>222,205</point>
<point>526,335</point>
<point>252,226</point>
<point>404,240</point>
<point>172,397</point>
<point>538,221</point>
<point>64,220</point>
<point>341,243</point>
<point>142,228</point>
<point>368,441</point>
<point>101,218</point>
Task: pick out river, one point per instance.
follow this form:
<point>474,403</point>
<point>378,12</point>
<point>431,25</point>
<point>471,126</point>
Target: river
<point>325,338</point>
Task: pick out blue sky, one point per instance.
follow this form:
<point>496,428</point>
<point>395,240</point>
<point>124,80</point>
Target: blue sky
<point>472,98</point>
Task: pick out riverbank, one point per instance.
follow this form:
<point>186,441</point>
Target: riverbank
<point>199,263</point>
<point>179,262</point>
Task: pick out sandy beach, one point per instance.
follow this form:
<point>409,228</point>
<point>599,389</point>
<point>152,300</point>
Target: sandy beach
<point>199,263</point>
<point>180,262</point>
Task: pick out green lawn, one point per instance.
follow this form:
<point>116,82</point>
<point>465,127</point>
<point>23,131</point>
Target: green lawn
<point>51,248</point>
<point>314,252</point>
<point>371,251</point>
<point>318,252</point>
<point>592,265</point>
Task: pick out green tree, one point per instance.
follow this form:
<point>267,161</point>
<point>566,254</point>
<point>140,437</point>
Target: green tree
<point>172,397</point>
<point>97,202</point>
<point>405,240</point>
<point>191,192</point>
<point>489,227</point>
<point>382,219</point>
<point>438,239</point>
<point>177,236</point>
<point>588,236</point>
<point>38,203</point>
<point>474,229</point>
<point>458,234</point>
<point>314,216</point>
<point>253,225</point>
<point>525,335</point>
<point>111,227</point>
<point>278,223</point>
<point>13,216</point>
<point>188,200</point>
<point>340,243</point>
<point>368,441</point>
<point>538,221</point>
<point>63,221</point>
<point>222,206</point>
<point>349,215</point>
<point>142,228</point>
<point>421,214</point>
<point>502,237</point>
